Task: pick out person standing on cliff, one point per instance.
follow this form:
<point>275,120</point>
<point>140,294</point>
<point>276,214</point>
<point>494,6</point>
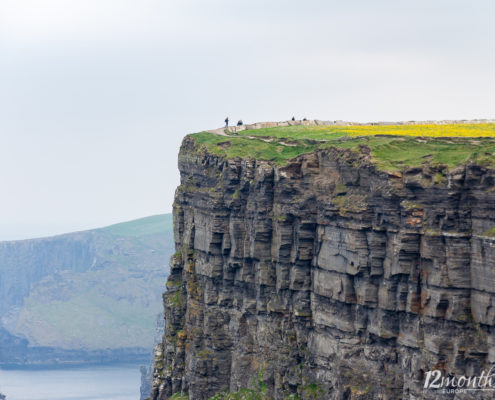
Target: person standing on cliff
<point>227,122</point>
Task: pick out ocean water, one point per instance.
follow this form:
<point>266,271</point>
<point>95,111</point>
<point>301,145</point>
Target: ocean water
<point>88,383</point>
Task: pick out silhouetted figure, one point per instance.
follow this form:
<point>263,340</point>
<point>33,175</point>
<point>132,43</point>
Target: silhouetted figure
<point>293,118</point>
<point>239,123</point>
<point>227,122</point>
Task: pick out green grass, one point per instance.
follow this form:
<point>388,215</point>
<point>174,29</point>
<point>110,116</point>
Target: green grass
<point>254,148</point>
<point>142,227</point>
<point>392,147</point>
<point>489,232</point>
<point>179,396</point>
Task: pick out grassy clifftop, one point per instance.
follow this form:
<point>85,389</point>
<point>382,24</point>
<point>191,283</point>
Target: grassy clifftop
<point>392,146</point>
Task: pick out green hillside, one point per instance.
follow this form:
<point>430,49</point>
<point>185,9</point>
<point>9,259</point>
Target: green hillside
<point>98,289</point>
<point>156,224</point>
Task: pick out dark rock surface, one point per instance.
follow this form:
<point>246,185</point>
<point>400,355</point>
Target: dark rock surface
<point>327,274</point>
<point>147,370</point>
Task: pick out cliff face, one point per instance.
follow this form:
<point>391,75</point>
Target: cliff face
<point>334,279</point>
<point>26,262</point>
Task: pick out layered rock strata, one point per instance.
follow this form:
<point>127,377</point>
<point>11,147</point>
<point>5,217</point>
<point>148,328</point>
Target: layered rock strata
<point>332,278</point>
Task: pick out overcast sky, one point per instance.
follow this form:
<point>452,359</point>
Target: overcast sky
<point>96,95</point>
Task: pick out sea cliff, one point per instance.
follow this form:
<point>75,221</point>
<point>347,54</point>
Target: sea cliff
<point>336,273</point>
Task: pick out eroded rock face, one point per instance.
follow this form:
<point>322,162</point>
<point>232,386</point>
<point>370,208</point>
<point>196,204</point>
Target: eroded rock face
<point>328,275</point>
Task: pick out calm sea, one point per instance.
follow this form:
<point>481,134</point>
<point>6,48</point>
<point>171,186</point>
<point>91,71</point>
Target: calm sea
<point>89,383</point>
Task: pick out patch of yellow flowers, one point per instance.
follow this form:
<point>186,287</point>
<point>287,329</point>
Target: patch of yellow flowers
<point>433,130</point>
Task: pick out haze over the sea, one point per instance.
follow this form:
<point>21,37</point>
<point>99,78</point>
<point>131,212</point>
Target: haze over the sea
<point>113,382</point>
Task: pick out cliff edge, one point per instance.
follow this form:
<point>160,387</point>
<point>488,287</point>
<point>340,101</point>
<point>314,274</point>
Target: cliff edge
<point>331,262</point>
